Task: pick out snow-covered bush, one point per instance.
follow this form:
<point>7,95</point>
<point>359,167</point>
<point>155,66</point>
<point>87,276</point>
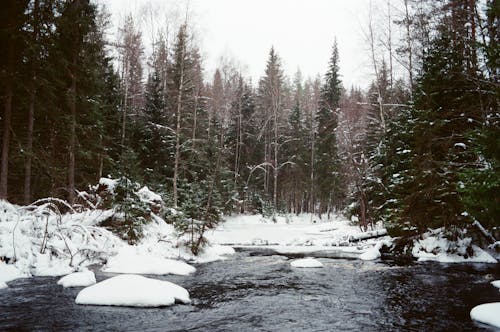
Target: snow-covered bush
<point>133,207</point>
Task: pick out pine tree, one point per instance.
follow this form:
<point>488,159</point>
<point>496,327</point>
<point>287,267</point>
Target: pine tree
<point>328,184</point>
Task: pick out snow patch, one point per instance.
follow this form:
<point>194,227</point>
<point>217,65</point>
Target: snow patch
<point>487,313</point>
<point>374,252</point>
<point>133,290</point>
<point>3,285</point>
<point>306,263</point>
<point>128,261</point>
<point>109,183</point>
<point>496,283</point>
<point>78,279</point>
<point>148,196</point>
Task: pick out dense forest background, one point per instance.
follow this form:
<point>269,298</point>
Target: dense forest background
<point>418,149</point>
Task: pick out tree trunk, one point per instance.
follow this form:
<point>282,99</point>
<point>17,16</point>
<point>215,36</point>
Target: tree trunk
<point>6,142</point>
<point>408,44</point>
<point>29,148</point>
<point>31,112</point>
<point>178,128</point>
<point>72,139</point>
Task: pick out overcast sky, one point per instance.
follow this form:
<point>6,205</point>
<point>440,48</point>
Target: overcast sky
<point>301,31</point>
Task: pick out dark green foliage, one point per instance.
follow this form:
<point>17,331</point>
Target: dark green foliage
<point>131,213</point>
<point>327,164</point>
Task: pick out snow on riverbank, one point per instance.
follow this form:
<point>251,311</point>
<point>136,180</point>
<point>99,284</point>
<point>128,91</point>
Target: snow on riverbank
<point>133,290</point>
<point>435,247</point>
<point>291,230</point>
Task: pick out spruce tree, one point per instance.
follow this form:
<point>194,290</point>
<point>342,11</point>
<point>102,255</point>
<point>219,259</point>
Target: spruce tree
<point>328,184</point>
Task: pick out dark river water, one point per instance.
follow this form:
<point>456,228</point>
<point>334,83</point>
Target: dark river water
<point>264,293</point>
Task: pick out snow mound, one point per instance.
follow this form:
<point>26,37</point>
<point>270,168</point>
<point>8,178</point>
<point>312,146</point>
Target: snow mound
<point>374,252</point>
<point>214,253</point>
<point>127,261</point>
<point>496,283</point>
<point>306,262</point>
<point>9,272</point>
<point>487,313</point>
<point>133,290</point>
<point>78,279</point>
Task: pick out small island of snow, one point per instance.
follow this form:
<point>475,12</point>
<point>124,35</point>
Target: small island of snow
<point>133,291</point>
<point>78,279</point>
<point>129,262</point>
<point>487,314</point>
<point>306,262</point>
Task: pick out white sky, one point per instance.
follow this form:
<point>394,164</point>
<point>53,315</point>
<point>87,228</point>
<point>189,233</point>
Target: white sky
<point>301,31</point>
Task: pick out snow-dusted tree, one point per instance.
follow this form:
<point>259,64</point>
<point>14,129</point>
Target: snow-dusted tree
<point>328,184</point>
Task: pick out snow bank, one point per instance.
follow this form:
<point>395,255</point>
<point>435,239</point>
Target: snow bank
<point>9,272</point>
<point>437,248</point>
<point>214,253</point>
<point>487,313</point>
<point>3,285</point>
<point>78,279</point>
<point>289,230</point>
<point>133,290</point>
<point>496,283</point>
<point>128,261</point>
<point>306,263</point>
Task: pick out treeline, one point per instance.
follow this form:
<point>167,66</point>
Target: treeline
<point>415,151</point>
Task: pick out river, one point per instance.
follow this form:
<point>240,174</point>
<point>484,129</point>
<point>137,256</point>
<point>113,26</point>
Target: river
<point>254,292</point>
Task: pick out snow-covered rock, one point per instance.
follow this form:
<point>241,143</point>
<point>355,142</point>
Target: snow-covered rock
<point>126,261</point>
<point>306,263</point>
<point>133,290</point>
<point>496,283</point>
<point>488,313</point>
<point>78,279</point>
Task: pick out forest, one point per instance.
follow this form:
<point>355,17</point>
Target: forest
<point>417,150</point>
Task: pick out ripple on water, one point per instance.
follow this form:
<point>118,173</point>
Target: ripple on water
<point>262,293</point>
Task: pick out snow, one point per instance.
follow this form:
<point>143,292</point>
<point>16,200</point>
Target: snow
<point>133,290</point>
<point>129,261</point>
<point>487,313</point>
<point>373,253</point>
<point>148,196</point>
<point>306,263</point>
<point>496,283</point>
<point>9,272</point>
<point>303,230</point>
<point>78,279</point>
<point>3,285</point>
<point>435,247</point>
<point>109,183</point>
<point>213,253</point>
<point>460,145</point>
